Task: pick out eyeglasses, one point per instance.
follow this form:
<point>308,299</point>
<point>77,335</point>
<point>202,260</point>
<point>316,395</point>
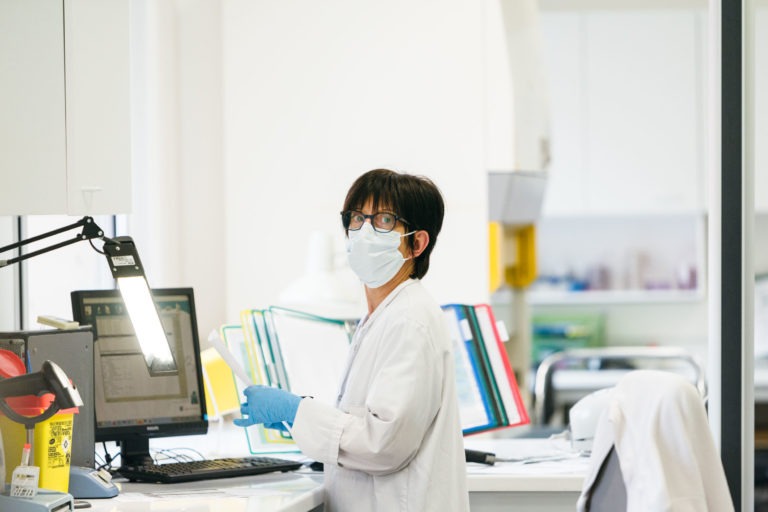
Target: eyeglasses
<point>383,222</point>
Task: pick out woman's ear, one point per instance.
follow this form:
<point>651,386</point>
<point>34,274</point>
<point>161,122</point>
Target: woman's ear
<point>420,242</point>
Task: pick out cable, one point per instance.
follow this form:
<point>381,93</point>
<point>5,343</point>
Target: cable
<point>177,454</point>
<point>108,458</point>
<point>200,455</point>
<point>94,247</point>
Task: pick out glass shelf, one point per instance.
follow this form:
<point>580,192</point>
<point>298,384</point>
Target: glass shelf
<point>552,297</point>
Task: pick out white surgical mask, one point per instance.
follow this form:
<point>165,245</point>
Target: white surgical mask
<point>375,257</point>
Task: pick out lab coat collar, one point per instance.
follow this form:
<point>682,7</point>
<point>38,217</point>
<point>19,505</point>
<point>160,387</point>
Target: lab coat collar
<point>368,319</point>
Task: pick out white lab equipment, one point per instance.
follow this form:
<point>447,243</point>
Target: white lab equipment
<point>583,418</point>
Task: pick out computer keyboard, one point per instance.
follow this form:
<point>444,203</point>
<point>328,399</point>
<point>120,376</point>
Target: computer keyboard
<point>173,472</point>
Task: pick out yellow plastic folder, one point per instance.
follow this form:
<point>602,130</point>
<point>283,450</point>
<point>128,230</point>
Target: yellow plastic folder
<point>221,396</point>
<point>241,341</point>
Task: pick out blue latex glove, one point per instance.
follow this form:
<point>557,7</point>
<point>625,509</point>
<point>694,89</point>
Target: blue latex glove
<point>268,405</point>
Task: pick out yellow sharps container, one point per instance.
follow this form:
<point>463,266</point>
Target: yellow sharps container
<point>52,442</point>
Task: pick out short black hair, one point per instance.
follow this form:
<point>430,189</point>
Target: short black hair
<point>414,198</point>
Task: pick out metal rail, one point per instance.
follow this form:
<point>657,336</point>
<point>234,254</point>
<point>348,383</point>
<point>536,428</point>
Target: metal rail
<point>543,396</point>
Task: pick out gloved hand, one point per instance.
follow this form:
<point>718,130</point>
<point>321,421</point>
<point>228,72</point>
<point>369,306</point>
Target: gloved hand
<point>269,405</point>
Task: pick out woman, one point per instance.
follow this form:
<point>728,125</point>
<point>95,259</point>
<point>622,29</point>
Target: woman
<point>393,441</point>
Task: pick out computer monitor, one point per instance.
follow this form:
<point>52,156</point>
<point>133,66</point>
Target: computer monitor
<point>131,405</point>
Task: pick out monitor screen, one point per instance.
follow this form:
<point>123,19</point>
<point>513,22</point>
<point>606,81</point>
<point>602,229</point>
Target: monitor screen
<point>131,405</point>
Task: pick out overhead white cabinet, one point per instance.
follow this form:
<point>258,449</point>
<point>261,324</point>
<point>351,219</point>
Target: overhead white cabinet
<point>642,94</point>
<point>64,95</point>
<point>564,69</point>
<point>32,124</point>
<point>623,207</point>
<point>626,97</point>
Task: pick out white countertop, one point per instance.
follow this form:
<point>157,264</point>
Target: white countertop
<point>301,491</point>
<point>565,475</point>
<point>274,492</point>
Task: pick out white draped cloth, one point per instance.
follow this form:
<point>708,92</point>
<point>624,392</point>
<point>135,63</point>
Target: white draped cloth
<point>657,423</point>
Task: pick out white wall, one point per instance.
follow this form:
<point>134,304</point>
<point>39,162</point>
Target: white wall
<point>178,219</point>
<point>50,277</point>
<point>8,292</point>
<point>251,120</point>
<point>316,93</point>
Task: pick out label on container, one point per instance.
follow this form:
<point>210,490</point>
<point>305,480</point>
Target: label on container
<point>25,481</point>
<point>59,444</point>
<point>123,261</point>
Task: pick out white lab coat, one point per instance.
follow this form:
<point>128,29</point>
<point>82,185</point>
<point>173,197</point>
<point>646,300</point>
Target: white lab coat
<point>658,425</point>
<point>393,442</point>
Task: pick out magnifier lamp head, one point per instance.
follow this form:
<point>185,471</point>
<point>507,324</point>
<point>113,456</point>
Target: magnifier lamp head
<point>50,379</point>
<point>66,394</point>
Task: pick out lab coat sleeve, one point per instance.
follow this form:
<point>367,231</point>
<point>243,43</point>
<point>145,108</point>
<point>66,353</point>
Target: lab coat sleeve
<point>317,430</point>
<point>382,435</point>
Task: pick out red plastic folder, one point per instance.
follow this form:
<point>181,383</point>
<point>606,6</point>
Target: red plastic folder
<point>501,367</point>
<point>487,390</point>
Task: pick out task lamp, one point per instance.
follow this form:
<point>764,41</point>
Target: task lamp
<point>126,268</point>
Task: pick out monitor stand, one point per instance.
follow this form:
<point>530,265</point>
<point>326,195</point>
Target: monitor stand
<point>135,452</point>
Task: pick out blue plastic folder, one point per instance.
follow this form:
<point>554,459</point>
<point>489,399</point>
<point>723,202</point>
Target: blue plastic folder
<point>475,401</point>
<point>487,390</point>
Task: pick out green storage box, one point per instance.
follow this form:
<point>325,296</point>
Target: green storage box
<point>555,332</point>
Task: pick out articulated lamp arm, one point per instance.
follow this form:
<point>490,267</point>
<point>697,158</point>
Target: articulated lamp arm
<point>89,231</point>
<point>126,268</point>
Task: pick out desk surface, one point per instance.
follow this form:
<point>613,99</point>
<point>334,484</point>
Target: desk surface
<point>544,486</point>
<point>274,492</point>
<point>548,486</point>
<point>564,474</point>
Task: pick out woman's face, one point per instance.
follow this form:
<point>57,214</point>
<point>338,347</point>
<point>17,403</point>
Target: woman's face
<point>404,248</point>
